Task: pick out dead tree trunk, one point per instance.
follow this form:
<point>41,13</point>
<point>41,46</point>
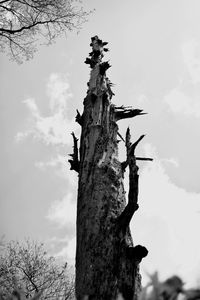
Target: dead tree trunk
<point>107,263</point>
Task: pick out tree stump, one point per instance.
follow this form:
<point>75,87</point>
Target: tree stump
<point>107,263</point>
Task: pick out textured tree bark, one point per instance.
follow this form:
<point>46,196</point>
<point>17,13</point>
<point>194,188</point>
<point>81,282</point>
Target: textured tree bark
<point>107,263</point>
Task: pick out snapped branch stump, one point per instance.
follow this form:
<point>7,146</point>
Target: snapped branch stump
<point>107,262</point>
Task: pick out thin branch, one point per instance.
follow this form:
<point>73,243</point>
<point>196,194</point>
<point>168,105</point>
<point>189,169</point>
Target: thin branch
<point>13,31</point>
<point>144,158</point>
<point>130,149</point>
<point>121,137</point>
<point>134,145</point>
<point>1,2</point>
<point>11,42</point>
<point>28,18</point>
<point>29,277</point>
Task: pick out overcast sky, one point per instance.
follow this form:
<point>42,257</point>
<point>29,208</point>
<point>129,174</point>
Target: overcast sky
<point>155,57</point>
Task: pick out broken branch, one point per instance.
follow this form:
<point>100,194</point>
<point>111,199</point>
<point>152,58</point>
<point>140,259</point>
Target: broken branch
<point>79,118</point>
<point>121,137</point>
<point>134,145</point>
<point>137,253</point>
<point>127,112</point>
<point>74,161</point>
<point>144,158</point>
<point>130,149</point>
<point>132,206</point>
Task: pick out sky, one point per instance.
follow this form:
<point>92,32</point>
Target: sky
<point>155,57</point>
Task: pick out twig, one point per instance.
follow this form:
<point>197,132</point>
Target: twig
<point>121,137</point>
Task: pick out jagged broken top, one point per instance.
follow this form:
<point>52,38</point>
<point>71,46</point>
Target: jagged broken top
<point>97,54</point>
<point>99,82</point>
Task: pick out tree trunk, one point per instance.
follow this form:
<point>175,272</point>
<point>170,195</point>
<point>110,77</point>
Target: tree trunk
<point>107,263</point>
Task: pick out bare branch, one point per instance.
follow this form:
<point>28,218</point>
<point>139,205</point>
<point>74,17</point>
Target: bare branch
<point>30,266</point>
<point>134,145</point>
<point>12,31</point>
<point>121,137</point>
<point>132,205</point>
<point>130,149</point>
<point>28,19</point>
<point>144,158</point>
<point>1,2</point>
<point>29,278</point>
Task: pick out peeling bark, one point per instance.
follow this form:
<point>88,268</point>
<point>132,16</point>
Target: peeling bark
<point>107,263</point>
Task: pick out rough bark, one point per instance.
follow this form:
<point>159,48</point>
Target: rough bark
<point>107,263</point>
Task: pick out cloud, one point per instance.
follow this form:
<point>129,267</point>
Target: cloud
<point>58,90</point>
<point>172,161</point>
<point>55,128</point>
<point>68,252</point>
<point>63,212</point>
<point>191,58</point>
<point>184,98</point>
<point>179,102</point>
<point>63,248</point>
<point>61,167</point>
<point>167,223</point>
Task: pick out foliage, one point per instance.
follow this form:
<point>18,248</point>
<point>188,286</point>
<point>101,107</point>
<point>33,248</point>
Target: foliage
<point>29,268</point>
<point>24,23</point>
